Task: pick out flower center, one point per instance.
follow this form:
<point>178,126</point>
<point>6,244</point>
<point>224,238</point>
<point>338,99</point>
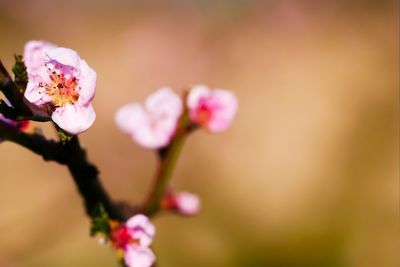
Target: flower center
<point>204,114</point>
<point>62,88</point>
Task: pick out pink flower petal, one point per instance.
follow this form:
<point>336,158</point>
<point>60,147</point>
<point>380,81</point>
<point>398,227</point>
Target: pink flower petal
<point>164,102</point>
<point>138,256</point>
<point>34,54</point>
<point>196,93</point>
<point>226,111</point>
<point>74,119</point>
<point>65,56</point>
<point>130,117</point>
<point>87,82</point>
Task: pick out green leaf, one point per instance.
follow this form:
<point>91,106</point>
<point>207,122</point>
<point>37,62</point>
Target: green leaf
<point>100,221</point>
<point>20,74</point>
<point>64,137</point>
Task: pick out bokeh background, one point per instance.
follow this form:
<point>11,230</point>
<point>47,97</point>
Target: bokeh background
<point>308,174</point>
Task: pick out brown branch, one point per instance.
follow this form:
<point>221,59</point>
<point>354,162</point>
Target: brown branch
<point>71,154</point>
<point>84,173</point>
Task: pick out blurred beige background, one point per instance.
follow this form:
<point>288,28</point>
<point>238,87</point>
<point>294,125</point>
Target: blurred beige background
<point>307,176</point>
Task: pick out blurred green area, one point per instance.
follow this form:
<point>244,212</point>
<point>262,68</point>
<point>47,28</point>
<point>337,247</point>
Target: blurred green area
<point>306,177</point>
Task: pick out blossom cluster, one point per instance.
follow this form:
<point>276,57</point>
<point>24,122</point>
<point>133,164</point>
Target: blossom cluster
<point>153,124</point>
<point>62,83</point>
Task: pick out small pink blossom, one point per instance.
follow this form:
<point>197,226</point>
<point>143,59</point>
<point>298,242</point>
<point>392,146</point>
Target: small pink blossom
<point>66,85</point>
<point>138,256</point>
<point>211,109</point>
<point>133,238</point>
<point>141,229</point>
<point>35,53</point>
<point>153,124</point>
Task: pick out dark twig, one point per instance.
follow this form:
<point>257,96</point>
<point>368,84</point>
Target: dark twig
<point>84,173</point>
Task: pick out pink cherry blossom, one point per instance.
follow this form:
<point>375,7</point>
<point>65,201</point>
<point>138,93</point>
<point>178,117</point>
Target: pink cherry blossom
<point>141,229</point>
<point>211,109</point>
<point>35,53</point>
<point>153,124</point>
<point>139,256</point>
<point>66,85</point>
<point>133,238</point>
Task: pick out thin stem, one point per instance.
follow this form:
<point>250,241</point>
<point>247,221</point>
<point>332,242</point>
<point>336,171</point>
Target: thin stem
<point>163,175</point>
<point>167,162</point>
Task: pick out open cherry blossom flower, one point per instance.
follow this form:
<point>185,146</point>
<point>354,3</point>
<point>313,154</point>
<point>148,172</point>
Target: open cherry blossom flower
<point>141,229</point>
<point>66,85</point>
<point>35,53</point>
<point>153,124</point>
<point>134,238</point>
<point>211,109</point>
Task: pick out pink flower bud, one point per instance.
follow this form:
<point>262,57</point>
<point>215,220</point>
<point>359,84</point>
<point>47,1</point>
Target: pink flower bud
<point>183,202</point>
<point>35,53</point>
<point>153,124</point>
<point>211,109</point>
<point>138,256</point>
<point>187,203</point>
<point>66,85</point>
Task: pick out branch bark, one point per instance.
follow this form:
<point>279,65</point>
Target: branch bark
<point>72,155</point>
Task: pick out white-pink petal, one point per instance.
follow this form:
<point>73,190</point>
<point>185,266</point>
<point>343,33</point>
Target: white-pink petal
<point>226,111</point>
<point>34,54</point>
<point>65,56</point>
<point>165,103</point>
<point>138,256</point>
<point>130,117</point>
<point>87,83</point>
<point>196,94</point>
<point>74,119</point>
